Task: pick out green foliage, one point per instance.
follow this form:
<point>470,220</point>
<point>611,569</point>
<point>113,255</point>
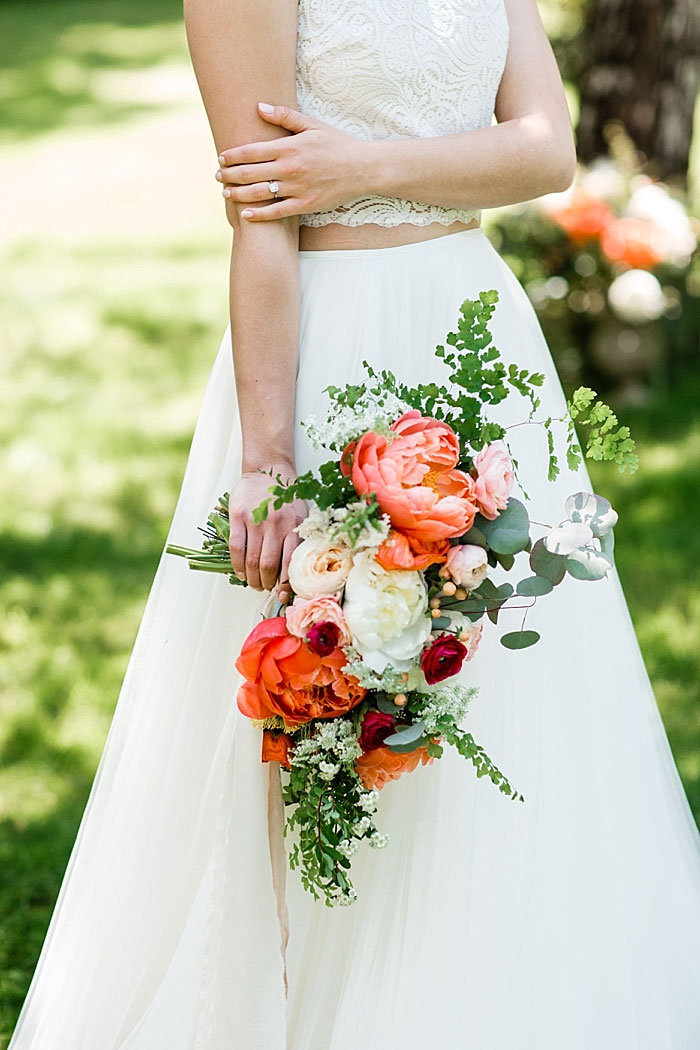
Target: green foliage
<point>607,439</point>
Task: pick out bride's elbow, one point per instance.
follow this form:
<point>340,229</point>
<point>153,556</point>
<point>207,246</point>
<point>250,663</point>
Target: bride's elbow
<point>554,161</point>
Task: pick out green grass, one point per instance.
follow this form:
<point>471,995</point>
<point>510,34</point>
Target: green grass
<point>72,63</point>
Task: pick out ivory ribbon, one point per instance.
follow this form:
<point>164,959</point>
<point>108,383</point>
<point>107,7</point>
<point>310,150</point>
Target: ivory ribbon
<point>278,856</point>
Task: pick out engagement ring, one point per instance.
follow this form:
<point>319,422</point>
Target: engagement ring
<point>274,187</point>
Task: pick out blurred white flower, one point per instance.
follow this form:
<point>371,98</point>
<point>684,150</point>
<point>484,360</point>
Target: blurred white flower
<point>602,179</point>
<point>652,201</point>
<point>636,296</point>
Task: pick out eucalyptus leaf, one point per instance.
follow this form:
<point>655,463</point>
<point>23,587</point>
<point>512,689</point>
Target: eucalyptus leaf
<point>519,639</point>
<point>441,623</point>
<point>544,563</point>
<point>475,536</point>
<point>408,735</point>
<point>405,749</point>
<point>593,510</point>
<point>509,533</point>
<point>533,586</point>
<point>588,563</point>
<point>385,703</point>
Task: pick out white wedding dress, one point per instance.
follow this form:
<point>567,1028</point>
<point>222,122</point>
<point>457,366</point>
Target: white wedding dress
<point>568,922</point>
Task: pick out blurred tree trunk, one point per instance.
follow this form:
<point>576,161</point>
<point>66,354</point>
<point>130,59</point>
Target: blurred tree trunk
<point>642,67</point>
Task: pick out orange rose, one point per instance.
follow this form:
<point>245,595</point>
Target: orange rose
<point>584,218</point>
<point>636,242</point>
<point>404,552</point>
<point>285,677</point>
<point>276,747</point>
<point>380,765</point>
<point>414,477</point>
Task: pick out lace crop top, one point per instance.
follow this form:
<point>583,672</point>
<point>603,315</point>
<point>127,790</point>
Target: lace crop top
<point>397,68</point>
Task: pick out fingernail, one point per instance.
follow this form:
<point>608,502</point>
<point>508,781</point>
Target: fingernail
<point>241,576</point>
<point>227,192</point>
<point>246,213</point>
<point>266,107</point>
<point>219,176</point>
<point>222,160</point>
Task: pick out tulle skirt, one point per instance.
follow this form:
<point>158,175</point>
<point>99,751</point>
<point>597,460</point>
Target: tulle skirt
<point>566,922</point>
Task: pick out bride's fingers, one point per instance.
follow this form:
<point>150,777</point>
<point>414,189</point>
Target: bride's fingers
<point>277,210</point>
<point>250,153</point>
<point>247,194</point>
<point>252,558</point>
<point>236,546</point>
<point>291,541</point>
<point>247,174</point>
<point>269,560</point>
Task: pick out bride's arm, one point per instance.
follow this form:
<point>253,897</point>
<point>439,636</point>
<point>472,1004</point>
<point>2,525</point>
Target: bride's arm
<point>240,52</point>
<point>528,153</point>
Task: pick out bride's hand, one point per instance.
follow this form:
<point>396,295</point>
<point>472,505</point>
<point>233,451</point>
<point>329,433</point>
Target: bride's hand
<point>260,553</point>
<point>317,168</point>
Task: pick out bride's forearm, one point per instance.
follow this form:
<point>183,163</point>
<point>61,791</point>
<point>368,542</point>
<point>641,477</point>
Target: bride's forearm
<point>506,163</point>
<point>264,301</point>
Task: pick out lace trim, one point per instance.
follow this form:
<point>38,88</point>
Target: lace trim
<point>388,211</point>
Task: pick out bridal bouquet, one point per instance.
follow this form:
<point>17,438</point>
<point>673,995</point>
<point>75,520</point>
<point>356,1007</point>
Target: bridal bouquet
<point>355,682</point>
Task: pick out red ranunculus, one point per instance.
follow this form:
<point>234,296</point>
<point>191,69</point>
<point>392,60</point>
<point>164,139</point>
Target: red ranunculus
<point>322,638</point>
<point>442,659</point>
<point>376,727</point>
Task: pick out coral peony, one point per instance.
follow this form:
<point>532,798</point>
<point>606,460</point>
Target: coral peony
<point>494,480</point>
<point>283,676</point>
<point>637,243</point>
<point>413,475</point>
<point>407,552</point>
<point>303,613</point>
<point>467,565</point>
<point>377,767</point>
<point>442,659</point>
<point>376,727</point>
<point>277,747</point>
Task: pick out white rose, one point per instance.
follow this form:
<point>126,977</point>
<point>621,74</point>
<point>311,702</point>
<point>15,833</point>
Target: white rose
<point>319,566</point>
<point>386,612</point>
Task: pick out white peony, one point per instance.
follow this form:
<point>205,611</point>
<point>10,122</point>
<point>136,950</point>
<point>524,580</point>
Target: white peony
<point>386,612</point>
<point>319,566</point>
<point>636,296</point>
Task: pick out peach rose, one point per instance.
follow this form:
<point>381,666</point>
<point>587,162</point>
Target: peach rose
<point>406,552</point>
<point>284,677</point>
<point>377,767</point>
<point>467,565</point>
<point>303,613</point>
<point>494,480</point>
<point>413,475</point>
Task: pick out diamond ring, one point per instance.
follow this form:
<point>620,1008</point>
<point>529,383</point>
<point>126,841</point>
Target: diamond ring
<point>274,187</point>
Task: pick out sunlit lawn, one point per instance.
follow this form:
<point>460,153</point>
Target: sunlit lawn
<point>106,346</point>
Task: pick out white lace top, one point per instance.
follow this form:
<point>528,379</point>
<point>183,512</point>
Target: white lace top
<point>397,68</point>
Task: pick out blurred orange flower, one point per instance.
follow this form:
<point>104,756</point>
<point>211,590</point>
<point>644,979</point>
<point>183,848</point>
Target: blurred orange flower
<point>638,243</point>
<point>584,217</point>
<point>380,765</point>
<point>285,677</point>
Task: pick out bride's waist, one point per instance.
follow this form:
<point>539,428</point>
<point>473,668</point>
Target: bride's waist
<point>336,235</point>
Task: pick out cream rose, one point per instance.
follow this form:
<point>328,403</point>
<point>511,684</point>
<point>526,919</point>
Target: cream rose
<point>467,564</point>
<point>318,566</point>
<point>386,612</point>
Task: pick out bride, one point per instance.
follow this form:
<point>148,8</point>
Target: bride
<point>356,151</point>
